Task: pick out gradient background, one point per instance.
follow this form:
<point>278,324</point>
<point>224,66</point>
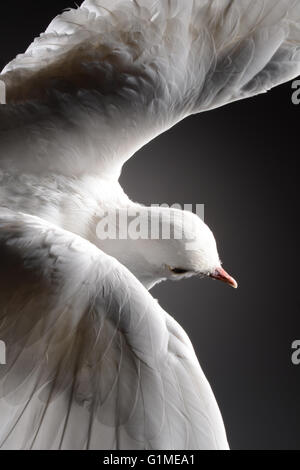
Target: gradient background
<point>241,162</point>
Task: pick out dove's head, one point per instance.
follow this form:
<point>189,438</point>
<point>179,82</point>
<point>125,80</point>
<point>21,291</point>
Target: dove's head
<point>194,252</point>
<point>164,243</point>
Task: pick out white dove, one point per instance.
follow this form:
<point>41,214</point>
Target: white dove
<point>93,361</point>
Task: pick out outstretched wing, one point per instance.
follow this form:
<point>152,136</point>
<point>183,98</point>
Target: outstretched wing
<point>93,362</point>
<point>106,78</point>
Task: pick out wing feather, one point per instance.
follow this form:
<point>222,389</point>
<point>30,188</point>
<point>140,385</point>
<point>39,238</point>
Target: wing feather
<point>106,78</point>
<point>93,362</point>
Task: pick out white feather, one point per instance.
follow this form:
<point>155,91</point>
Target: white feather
<point>106,78</point>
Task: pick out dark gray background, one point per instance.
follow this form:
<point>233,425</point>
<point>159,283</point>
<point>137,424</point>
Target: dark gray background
<point>241,162</point>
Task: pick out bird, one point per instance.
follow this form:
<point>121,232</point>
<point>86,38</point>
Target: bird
<point>92,359</point>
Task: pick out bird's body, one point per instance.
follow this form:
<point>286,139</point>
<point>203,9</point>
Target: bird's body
<point>93,361</point>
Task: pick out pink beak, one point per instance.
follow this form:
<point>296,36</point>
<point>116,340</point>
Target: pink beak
<point>222,275</point>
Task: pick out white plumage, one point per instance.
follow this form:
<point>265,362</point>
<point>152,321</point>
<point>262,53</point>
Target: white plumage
<point>93,362</point>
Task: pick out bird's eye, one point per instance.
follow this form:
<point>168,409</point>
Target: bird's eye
<point>178,270</point>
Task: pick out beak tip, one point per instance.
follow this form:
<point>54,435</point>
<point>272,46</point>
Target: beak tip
<point>222,275</point>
